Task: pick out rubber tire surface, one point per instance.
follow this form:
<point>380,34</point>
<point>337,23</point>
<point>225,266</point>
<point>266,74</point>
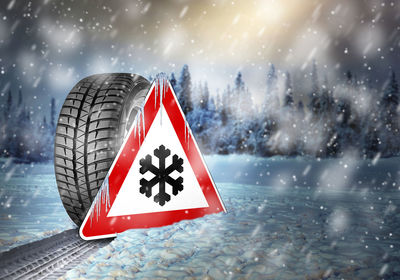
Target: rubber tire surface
<point>90,130</point>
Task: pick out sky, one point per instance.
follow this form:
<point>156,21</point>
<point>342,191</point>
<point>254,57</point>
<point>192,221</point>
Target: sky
<point>47,46</point>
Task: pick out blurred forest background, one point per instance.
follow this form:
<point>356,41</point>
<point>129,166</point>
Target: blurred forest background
<point>327,121</point>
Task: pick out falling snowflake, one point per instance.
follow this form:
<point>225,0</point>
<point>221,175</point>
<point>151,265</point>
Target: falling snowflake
<point>161,175</point>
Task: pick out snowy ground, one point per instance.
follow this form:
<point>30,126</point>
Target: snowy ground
<point>30,207</point>
<point>287,219</point>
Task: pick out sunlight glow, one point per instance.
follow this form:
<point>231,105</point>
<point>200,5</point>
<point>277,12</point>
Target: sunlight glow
<point>270,11</point>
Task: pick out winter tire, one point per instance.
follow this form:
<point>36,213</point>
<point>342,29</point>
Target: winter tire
<point>93,122</point>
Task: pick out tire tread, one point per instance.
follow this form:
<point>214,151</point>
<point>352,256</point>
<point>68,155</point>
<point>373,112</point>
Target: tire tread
<point>85,140</point>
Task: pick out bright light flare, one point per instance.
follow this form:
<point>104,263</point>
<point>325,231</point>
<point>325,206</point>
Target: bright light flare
<point>270,11</point>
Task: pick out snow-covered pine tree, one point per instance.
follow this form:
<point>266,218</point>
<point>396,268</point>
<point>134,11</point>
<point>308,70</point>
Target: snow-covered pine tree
<point>371,143</point>
<point>314,97</point>
<point>22,138</point>
<point>390,117</point>
<point>241,108</point>
<point>300,124</point>
<point>7,126</point>
<point>349,77</point>
<point>320,136</point>
<point>22,134</point>
<point>173,81</point>
<point>371,140</point>
<point>342,126</point>
<point>185,90</point>
<point>267,127</point>
<point>267,119</point>
<point>244,107</point>
<point>194,118</point>
<point>52,116</point>
<point>210,121</point>
<point>270,102</point>
<point>204,97</point>
<point>225,109</point>
<point>327,102</point>
<point>223,134</point>
<point>214,105</point>
<point>271,79</point>
<point>300,108</point>
<point>327,123</point>
<point>239,84</point>
<point>284,139</point>
<point>248,123</point>
<point>235,97</point>
<point>288,98</point>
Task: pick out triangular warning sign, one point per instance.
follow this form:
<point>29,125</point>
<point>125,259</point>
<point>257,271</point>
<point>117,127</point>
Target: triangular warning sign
<point>159,175</point>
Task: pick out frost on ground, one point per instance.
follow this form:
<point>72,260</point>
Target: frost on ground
<point>30,207</point>
<point>287,219</point>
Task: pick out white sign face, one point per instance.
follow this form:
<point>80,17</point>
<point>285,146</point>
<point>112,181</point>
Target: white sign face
<point>151,182</point>
<point>142,184</point>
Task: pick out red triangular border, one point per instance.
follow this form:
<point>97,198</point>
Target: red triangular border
<point>97,225</point>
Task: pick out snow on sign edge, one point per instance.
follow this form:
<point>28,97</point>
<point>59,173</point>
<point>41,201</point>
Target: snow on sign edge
<point>103,190</point>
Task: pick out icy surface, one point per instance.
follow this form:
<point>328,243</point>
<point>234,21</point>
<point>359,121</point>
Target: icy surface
<point>30,207</point>
<point>287,219</point>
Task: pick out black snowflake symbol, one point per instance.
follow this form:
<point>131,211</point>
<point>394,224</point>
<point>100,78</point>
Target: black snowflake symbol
<point>161,175</point>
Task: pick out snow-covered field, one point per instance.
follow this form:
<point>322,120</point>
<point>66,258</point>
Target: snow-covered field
<point>30,207</point>
<point>287,219</point>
